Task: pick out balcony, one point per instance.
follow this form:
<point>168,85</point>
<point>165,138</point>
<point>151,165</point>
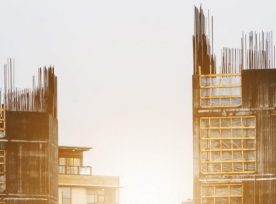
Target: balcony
<point>75,170</point>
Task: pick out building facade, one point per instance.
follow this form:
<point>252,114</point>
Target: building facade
<point>234,119</point>
<point>28,142</point>
<point>77,184</point>
<point>33,169</point>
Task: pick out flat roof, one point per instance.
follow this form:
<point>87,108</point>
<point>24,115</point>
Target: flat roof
<point>89,181</point>
<point>74,148</point>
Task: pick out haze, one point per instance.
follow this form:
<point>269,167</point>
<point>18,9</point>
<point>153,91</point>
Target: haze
<point>125,86</point>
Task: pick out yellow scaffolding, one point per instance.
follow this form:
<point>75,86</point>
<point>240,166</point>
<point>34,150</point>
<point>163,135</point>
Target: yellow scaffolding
<point>2,121</point>
<point>220,90</point>
<point>228,145</point>
<point>218,193</point>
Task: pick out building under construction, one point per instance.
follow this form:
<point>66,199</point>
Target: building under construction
<point>234,118</point>
<point>28,140</point>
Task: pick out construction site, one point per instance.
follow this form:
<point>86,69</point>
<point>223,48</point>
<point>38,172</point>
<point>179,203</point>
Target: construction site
<point>234,118</point>
<point>33,168</point>
<point>29,140</point>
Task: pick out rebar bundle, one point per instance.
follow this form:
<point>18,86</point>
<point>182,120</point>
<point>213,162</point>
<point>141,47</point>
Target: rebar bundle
<point>41,98</point>
<point>257,50</point>
<point>204,60</point>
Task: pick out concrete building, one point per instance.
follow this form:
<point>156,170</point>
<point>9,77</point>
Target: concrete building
<point>33,170</point>
<point>234,119</point>
<point>28,142</point>
<point>77,184</point>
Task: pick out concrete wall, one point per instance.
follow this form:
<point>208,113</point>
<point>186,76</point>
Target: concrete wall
<point>79,195</point>
<point>32,156</point>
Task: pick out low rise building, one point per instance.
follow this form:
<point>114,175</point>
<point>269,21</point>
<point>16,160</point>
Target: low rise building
<point>77,184</point>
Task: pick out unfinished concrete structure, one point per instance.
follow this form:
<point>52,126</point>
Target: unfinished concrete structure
<point>77,184</point>
<point>28,143</point>
<point>234,119</point>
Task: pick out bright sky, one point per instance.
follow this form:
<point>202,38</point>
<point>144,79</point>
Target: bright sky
<point>125,71</point>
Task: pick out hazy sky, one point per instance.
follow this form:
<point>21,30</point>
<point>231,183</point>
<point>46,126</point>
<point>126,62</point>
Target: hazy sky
<point>124,69</point>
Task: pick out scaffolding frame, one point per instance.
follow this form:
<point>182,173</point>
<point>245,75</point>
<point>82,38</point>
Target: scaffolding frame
<point>213,86</point>
<point>209,193</point>
<point>2,121</point>
<point>231,153</point>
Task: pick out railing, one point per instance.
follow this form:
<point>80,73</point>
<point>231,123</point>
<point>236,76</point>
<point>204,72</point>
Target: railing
<point>75,170</point>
